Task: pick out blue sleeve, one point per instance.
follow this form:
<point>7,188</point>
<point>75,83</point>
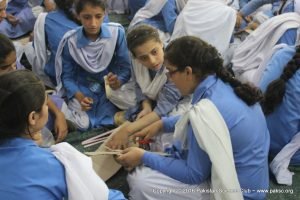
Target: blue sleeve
<point>69,73</point>
<point>115,195</point>
<point>122,64</point>
<point>169,123</point>
<point>243,3</point>
<point>193,170</point>
<point>167,99</point>
<point>14,7</point>
<point>289,37</point>
<point>253,5</point>
<point>276,65</point>
<point>169,14</point>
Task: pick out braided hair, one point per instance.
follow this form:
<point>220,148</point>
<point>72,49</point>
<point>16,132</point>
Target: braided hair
<point>276,89</point>
<point>204,59</point>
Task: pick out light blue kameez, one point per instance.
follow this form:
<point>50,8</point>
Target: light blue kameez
<point>284,122</point>
<point>250,143</point>
<point>22,11</point>
<point>56,25</point>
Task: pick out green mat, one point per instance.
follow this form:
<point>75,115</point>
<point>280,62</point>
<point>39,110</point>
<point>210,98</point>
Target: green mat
<point>277,192</point>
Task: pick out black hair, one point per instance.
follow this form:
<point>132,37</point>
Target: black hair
<point>204,59</point>
<point>80,4</point>
<point>140,35</point>
<point>276,89</point>
<point>21,92</point>
<point>6,48</point>
<point>68,7</point>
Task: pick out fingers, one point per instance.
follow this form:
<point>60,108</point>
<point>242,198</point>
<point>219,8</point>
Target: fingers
<point>61,134</point>
<point>140,134</point>
<point>113,80</point>
<point>140,115</point>
<point>86,103</point>
<point>116,145</point>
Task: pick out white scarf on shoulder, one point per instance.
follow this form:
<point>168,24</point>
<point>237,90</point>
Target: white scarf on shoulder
<point>151,9</point>
<point>82,180</point>
<point>252,51</point>
<point>149,87</point>
<point>213,137</point>
<point>38,55</point>
<point>211,20</point>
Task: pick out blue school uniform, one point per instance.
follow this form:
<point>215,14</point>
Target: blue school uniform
<point>242,3</point>
<point>165,20</point>
<point>165,102</point>
<point>290,36</point>
<point>134,6</point>
<point>22,11</point>
<point>30,172</point>
<point>275,66</point>
<point>75,78</point>
<point>56,25</point>
<point>250,143</point>
<point>284,122</point>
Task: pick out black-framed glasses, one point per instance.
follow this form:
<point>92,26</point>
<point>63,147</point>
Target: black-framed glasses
<point>170,73</point>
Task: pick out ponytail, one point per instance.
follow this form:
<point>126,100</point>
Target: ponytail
<point>250,95</point>
<point>276,89</point>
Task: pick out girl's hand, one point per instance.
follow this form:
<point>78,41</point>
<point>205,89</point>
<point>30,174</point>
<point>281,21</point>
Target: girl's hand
<point>60,127</point>
<point>12,19</point>
<point>146,105</point>
<point>144,112</point>
<point>113,81</point>
<point>150,131</point>
<point>131,158</point>
<point>85,102</point>
<point>120,139</point>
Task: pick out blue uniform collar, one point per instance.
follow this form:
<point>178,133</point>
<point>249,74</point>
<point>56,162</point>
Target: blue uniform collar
<point>18,142</point>
<point>203,87</point>
<point>83,41</point>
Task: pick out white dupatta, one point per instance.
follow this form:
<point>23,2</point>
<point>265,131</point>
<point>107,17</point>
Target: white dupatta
<point>211,20</point>
<point>279,165</point>
<point>150,9</point>
<point>38,55</point>
<point>149,87</point>
<point>82,180</point>
<point>93,58</point>
<point>253,50</point>
<point>213,137</point>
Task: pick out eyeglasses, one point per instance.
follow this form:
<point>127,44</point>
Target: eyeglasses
<point>170,73</point>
